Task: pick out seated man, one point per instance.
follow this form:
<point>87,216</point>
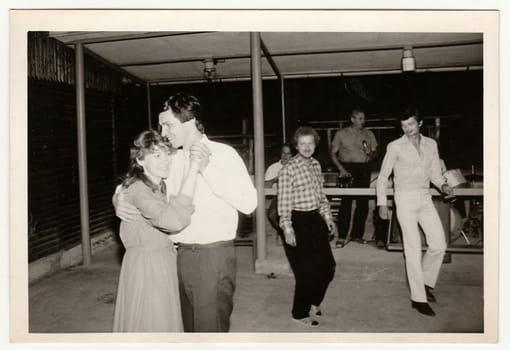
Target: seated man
<point>271,180</point>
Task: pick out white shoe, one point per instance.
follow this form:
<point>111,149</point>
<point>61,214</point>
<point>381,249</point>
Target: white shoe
<point>307,321</point>
<point>315,311</point>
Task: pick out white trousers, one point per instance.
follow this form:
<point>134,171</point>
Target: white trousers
<point>414,209</point>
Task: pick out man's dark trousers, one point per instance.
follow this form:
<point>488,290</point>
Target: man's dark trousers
<point>361,178</point>
<point>311,261</point>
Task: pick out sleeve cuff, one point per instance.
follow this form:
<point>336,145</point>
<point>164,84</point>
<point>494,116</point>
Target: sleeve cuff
<point>286,226</point>
<point>382,203</point>
<point>328,217</point>
<point>181,200</point>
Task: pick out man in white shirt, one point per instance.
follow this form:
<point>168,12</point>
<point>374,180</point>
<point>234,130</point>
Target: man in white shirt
<point>271,180</point>
<point>414,161</point>
<point>272,171</point>
<point>206,260</point>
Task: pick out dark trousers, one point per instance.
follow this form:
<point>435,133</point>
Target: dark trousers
<point>207,274</point>
<point>381,227</point>
<point>361,178</point>
<point>272,214</point>
<point>311,261</point>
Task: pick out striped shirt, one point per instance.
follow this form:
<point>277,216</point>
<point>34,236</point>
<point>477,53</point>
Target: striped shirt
<point>300,188</point>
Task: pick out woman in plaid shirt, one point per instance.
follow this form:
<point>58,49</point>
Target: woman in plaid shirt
<point>306,220</point>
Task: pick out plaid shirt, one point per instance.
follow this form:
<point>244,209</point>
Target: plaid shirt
<point>300,186</point>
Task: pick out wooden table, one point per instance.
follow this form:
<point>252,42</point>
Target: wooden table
<point>334,191</point>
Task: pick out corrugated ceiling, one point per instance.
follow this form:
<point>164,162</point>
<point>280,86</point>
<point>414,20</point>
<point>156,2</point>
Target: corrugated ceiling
<point>173,57</point>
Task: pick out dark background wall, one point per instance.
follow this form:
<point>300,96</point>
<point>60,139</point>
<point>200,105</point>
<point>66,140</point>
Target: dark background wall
<point>53,189</point>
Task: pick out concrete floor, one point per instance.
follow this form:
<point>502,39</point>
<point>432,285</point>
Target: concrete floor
<point>368,294</point>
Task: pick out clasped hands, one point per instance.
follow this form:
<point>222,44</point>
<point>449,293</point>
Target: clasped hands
<point>199,154</point>
<point>199,157</point>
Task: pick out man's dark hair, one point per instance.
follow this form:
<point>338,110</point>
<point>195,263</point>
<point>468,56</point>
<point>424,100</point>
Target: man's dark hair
<point>408,113</point>
<point>355,111</point>
<point>185,108</point>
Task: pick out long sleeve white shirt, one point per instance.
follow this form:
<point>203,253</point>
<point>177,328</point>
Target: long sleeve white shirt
<point>273,170</point>
<point>412,171</point>
<point>222,189</point>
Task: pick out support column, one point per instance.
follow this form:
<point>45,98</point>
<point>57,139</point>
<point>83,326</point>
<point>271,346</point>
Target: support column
<point>284,126</point>
<point>149,112</point>
<point>82,153</point>
<point>258,126</point>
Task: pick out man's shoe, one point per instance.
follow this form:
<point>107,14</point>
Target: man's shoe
<point>380,244</point>
<point>430,296</point>
<point>423,308</point>
<point>315,311</point>
<point>340,243</point>
<point>307,321</point>
<point>360,241</point>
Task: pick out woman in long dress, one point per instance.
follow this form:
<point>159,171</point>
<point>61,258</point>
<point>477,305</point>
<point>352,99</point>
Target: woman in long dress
<point>148,293</point>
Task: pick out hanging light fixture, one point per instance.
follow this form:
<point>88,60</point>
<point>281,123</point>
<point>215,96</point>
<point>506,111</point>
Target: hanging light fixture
<point>209,69</point>
<point>408,60</point>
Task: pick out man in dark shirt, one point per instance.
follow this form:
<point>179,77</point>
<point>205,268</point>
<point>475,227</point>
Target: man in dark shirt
<point>352,150</point>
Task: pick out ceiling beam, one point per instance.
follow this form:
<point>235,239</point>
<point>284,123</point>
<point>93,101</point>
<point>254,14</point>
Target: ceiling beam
<point>330,74</point>
<point>270,60</point>
<point>182,60</point>
<point>124,37</point>
<point>299,53</point>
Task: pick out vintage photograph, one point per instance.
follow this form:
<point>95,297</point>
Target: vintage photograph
<point>256,175</point>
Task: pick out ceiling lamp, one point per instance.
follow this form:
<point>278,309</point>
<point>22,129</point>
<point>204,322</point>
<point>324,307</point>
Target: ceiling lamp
<point>408,60</point>
<point>209,69</point>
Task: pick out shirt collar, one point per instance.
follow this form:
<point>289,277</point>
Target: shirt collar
<point>354,130</point>
<point>204,139</point>
<point>422,139</point>
<point>301,160</point>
